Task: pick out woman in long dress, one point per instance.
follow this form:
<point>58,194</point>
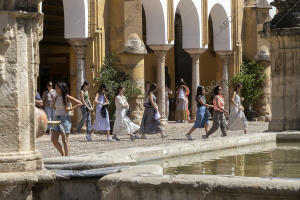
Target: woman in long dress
<point>102,117</point>
<point>237,119</point>
<point>181,113</point>
<point>123,125</point>
<point>202,113</point>
<point>150,122</point>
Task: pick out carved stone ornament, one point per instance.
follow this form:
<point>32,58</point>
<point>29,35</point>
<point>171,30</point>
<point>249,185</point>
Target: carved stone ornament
<point>134,45</point>
<point>7,34</point>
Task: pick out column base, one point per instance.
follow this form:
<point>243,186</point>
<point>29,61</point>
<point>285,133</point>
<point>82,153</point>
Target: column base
<point>20,162</point>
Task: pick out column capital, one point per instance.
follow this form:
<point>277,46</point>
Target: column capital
<point>80,45</point>
<point>225,53</point>
<point>195,52</point>
<point>161,49</point>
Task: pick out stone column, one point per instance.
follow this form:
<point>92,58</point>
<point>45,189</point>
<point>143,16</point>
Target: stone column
<point>225,56</point>
<point>161,52</point>
<point>195,54</point>
<point>80,46</point>
<point>264,104</point>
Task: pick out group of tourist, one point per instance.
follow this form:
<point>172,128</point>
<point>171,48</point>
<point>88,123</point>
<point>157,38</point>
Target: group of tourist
<point>237,119</point>
<point>58,104</point>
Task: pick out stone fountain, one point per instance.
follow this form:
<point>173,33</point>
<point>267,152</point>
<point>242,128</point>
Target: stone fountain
<point>283,33</point>
<point>21,26</point>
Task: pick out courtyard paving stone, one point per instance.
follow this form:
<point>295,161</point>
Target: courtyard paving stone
<point>176,131</point>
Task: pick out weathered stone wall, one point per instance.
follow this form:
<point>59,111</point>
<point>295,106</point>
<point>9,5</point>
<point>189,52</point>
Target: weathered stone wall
<point>283,33</point>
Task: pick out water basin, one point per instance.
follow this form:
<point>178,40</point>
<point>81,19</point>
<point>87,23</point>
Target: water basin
<point>283,161</point>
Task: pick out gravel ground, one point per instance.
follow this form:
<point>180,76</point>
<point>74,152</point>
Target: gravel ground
<point>176,131</point>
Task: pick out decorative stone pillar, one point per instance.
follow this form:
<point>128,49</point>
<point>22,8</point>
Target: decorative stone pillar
<point>20,33</point>
<point>161,52</point>
<point>284,36</point>
<point>264,104</point>
<point>225,56</point>
<point>195,55</point>
<point>80,46</point>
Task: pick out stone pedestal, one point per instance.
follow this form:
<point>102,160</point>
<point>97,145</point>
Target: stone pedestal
<point>283,32</point>
<point>80,46</point>
<point>263,106</point>
<point>195,55</point>
<point>20,33</point>
<point>225,56</point>
<point>161,52</point>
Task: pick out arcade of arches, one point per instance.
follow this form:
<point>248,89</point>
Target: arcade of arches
<point>203,42</point>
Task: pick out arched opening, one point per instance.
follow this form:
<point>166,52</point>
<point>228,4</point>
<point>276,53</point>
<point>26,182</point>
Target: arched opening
<point>54,48</point>
<point>221,28</point>
<point>183,61</point>
<point>155,13</point>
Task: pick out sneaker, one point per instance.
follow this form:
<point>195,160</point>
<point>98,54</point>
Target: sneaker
<point>143,136</point>
<point>204,137</point>
<point>164,135</point>
<point>88,137</point>
<point>115,138</point>
<point>109,139</point>
<point>188,136</point>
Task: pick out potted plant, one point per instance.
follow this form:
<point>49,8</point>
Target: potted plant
<point>252,78</point>
<point>112,78</point>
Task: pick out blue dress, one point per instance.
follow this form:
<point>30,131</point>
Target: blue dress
<point>101,123</point>
<point>202,114</point>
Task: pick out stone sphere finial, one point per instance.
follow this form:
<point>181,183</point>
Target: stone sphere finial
<point>263,54</point>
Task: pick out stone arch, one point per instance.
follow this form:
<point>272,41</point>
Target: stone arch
<point>191,22</point>
<point>76,18</point>
<point>221,26</point>
<point>156,21</point>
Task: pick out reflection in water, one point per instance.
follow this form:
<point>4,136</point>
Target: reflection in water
<point>281,162</point>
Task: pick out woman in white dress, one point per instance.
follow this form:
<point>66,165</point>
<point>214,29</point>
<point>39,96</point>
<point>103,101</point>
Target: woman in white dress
<point>237,119</point>
<point>123,125</point>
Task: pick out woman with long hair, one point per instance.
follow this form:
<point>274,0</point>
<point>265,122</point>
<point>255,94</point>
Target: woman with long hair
<point>181,103</point>
<point>47,97</point>
<point>86,108</point>
<point>202,113</point>
<point>237,119</point>
<point>62,104</point>
<point>150,122</point>
<point>102,117</point>
<point>123,125</point>
<point>218,115</point>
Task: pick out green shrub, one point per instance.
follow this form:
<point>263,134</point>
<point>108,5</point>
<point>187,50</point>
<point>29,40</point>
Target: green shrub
<point>252,78</point>
<point>113,79</point>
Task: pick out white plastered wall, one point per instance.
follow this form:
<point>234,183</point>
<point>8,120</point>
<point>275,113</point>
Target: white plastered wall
<point>76,18</point>
<point>190,11</point>
<point>220,11</point>
<point>156,21</point>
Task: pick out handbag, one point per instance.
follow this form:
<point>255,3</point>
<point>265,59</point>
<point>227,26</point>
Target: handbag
<point>157,116</point>
<point>103,111</point>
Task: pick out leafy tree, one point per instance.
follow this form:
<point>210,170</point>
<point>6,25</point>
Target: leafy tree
<point>252,78</point>
<point>112,78</point>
